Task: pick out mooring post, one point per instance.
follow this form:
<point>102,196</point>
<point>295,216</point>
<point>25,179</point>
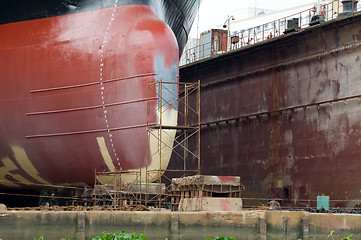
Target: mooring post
<point>262,226</point>
<point>285,226</point>
<point>174,224</point>
<point>80,227</point>
<point>306,226</point>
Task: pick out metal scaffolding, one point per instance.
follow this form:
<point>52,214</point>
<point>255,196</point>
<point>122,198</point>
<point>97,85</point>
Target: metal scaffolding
<point>180,138</point>
<point>173,130</point>
<point>110,190</point>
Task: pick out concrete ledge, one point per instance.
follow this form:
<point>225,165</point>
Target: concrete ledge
<point>326,222</point>
<point>301,224</point>
<point>127,218</point>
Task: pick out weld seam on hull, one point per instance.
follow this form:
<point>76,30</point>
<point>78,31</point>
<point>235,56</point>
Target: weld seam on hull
<point>89,131</point>
<point>93,83</point>
<point>90,107</point>
<point>304,106</point>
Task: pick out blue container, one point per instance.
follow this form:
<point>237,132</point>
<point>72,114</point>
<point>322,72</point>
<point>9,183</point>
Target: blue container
<point>323,202</point>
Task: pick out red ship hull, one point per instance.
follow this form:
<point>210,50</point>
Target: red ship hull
<point>74,93</point>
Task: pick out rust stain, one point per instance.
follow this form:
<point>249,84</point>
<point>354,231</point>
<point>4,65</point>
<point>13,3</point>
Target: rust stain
<point>275,101</point>
<point>314,150</point>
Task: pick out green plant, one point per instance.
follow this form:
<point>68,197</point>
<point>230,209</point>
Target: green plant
<point>345,238</point>
<point>348,237</point>
<point>331,234</point>
<point>120,236</point>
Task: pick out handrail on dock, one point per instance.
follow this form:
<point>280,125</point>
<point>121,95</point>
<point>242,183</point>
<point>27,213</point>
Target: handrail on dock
<point>264,32</point>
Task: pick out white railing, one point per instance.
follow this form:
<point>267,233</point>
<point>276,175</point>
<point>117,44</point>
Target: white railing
<point>260,33</point>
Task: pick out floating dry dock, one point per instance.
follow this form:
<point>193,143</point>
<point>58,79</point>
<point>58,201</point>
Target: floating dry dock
<point>284,115</point>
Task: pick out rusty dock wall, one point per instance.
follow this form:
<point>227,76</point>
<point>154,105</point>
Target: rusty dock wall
<point>284,115</point>
<point>240,224</point>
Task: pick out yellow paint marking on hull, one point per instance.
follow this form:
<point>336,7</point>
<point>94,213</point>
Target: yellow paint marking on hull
<point>160,155</point>
<point>105,153</point>
<point>161,149</point>
<point>6,170</point>
<point>25,163</point>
